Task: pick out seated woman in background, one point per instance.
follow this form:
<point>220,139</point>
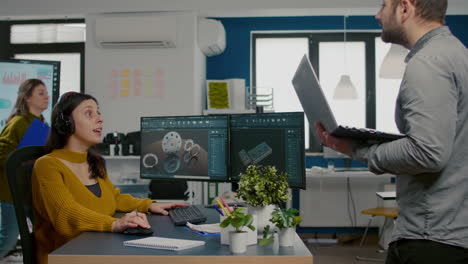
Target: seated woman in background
<point>71,190</point>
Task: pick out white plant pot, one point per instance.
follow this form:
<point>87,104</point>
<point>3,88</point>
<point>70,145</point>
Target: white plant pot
<point>286,237</point>
<point>238,242</point>
<point>263,215</point>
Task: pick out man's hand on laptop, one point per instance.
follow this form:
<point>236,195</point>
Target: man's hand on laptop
<point>338,144</point>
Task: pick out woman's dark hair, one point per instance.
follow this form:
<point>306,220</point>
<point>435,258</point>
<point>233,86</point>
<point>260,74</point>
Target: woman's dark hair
<point>63,126</point>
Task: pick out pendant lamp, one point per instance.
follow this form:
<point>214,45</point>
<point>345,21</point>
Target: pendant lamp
<point>345,89</point>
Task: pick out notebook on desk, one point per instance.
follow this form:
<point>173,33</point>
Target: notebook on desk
<point>164,243</point>
<point>316,107</point>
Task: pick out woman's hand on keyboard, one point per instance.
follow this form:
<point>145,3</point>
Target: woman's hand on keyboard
<point>160,208</point>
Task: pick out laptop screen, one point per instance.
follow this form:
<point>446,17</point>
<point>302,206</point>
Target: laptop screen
<point>311,96</point>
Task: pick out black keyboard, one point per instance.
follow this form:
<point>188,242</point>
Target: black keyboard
<point>365,134</point>
<point>182,215</point>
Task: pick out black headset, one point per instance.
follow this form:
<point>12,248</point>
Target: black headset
<point>64,125</point>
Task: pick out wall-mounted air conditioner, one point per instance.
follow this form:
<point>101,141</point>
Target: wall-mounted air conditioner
<point>211,37</point>
<point>150,31</point>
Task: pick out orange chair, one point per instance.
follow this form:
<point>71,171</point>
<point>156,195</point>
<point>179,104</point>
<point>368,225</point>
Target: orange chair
<point>388,212</point>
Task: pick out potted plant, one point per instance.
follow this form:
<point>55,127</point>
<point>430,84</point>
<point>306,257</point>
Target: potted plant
<point>262,188</point>
<point>238,238</point>
<point>286,221</point>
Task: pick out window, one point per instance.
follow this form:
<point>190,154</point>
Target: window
<point>56,40</point>
<point>48,33</point>
<point>275,69</point>
<point>385,93</point>
<point>277,55</point>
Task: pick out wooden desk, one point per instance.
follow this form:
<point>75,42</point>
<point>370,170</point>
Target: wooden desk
<point>99,248</point>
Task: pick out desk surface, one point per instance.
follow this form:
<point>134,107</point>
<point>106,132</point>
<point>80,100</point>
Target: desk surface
<point>99,247</point>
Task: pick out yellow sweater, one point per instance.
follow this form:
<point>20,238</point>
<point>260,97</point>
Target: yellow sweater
<point>10,137</point>
<point>64,207</point>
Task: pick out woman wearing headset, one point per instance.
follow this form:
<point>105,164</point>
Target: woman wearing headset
<point>71,190</point>
<point>32,100</point>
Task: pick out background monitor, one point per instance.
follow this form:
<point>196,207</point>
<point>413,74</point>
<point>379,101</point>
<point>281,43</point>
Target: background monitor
<point>185,148</point>
<point>275,139</point>
<point>13,72</point>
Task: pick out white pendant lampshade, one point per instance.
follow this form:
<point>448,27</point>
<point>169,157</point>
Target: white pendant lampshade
<point>393,65</point>
<point>345,89</point>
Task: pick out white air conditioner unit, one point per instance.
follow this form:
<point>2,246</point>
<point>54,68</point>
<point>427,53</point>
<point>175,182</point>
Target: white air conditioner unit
<point>211,37</point>
<point>147,31</point>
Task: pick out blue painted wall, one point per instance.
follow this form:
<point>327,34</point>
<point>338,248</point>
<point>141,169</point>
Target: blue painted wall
<point>234,62</point>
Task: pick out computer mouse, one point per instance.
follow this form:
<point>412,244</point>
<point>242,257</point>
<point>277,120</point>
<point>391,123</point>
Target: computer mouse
<point>138,231</point>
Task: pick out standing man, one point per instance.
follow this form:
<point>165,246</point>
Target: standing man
<point>431,163</point>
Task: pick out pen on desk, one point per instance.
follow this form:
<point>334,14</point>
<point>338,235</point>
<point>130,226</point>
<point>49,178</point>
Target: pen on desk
<point>218,209</point>
<point>222,207</point>
<point>225,204</point>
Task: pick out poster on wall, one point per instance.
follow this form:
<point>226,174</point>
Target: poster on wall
<point>138,82</point>
<point>13,72</point>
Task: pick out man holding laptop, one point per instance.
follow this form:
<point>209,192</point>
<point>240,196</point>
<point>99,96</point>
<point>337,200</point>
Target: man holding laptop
<point>431,162</point>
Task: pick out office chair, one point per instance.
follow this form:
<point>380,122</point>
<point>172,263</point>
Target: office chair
<point>168,189</point>
<point>19,165</point>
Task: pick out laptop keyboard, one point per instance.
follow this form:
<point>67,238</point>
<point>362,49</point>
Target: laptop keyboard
<point>365,134</point>
<point>182,215</point>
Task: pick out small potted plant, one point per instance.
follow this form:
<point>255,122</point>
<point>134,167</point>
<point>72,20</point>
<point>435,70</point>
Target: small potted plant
<point>262,188</point>
<point>286,221</point>
<point>238,238</point>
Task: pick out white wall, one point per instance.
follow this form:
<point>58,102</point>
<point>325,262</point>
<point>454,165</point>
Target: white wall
<point>213,8</point>
<point>183,70</point>
<point>325,202</point>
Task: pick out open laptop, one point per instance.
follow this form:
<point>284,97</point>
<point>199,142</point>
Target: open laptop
<point>316,107</point>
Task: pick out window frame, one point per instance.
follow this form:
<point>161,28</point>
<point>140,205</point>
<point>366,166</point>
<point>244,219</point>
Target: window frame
<point>11,49</point>
<point>314,40</point>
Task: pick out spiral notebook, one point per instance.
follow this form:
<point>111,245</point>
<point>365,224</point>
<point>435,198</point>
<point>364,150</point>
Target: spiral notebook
<point>164,243</point>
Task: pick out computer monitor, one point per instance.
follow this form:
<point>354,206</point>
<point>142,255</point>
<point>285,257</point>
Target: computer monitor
<point>275,139</point>
<point>185,147</point>
<point>13,72</point>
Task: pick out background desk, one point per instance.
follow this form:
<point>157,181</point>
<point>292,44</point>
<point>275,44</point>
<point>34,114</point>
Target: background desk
<point>99,248</point>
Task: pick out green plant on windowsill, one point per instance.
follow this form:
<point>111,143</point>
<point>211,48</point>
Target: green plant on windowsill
<point>283,218</point>
<point>238,220</point>
<point>263,185</point>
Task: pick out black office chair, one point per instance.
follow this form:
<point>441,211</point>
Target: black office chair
<point>168,189</point>
<point>19,165</point>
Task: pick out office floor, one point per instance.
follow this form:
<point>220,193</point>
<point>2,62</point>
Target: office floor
<point>345,251</point>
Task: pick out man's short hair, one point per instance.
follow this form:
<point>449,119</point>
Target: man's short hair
<point>430,10</point>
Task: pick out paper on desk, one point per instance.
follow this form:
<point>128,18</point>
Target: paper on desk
<point>207,228</point>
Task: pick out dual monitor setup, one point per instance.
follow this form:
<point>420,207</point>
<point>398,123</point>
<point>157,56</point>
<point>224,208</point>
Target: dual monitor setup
<point>220,147</point>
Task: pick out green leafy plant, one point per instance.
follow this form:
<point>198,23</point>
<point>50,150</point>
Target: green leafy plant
<point>238,220</point>
<point>267,238</point>
<point>263,185</point>
<point>283,218</point>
